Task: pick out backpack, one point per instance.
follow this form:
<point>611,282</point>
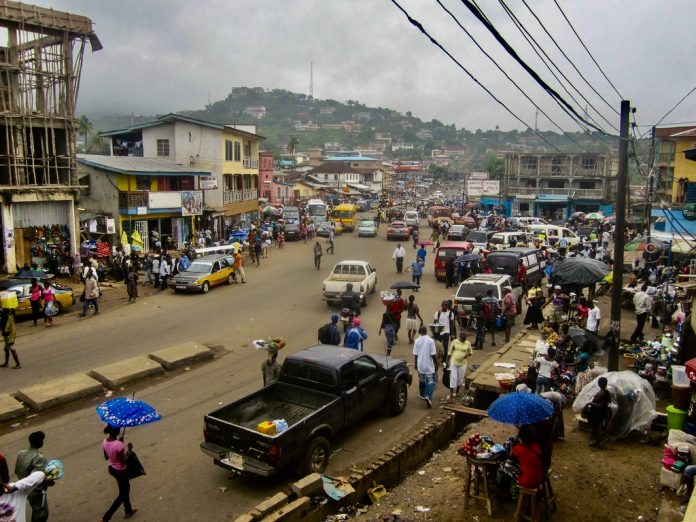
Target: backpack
<point>324,334</point>
<point>487,311</point>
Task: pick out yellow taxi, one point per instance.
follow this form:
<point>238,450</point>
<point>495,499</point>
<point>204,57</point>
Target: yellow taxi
<point>64,297</point>
<point>204,273</point>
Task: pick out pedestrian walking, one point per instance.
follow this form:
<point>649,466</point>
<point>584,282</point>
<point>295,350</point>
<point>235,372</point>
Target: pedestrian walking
<point>449,272</point>
<point>509,311</point>
<point>413,317</point>
<point>355,337</point>
<point>239,266</point>
<point>396,306</point>
<point>165,271</point>
<point>156,270</point>
<point>398,256</point>
<point>28,461</point>
<point>7,327</point>
<point>91,293</point>
<point>13,495</point>
<point>49,303</point>
<point>132,284</point>
<point>425,361</point>
<point>117,455</point>
<point>35,297</point>
<point>147,269</point>
<point>490,309</point>
<point>599,413</point>
<point>444,318</point>
<point>594,316</point>
<point>416,273</point>
<point>642,304</point>
<point>332,236</point>
<point>258,248</point>
<point>317,255</point>
<point>459,353</point>
<point>478,314</point>
<point>389,331</point>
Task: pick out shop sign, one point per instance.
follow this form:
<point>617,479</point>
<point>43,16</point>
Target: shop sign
<point>141,210</point>
<point>208,183</point>
<point>689,212</point>
<point>191,203</point>
<point>482,187</point>
<point>110,226</point>
<point>478,175</point>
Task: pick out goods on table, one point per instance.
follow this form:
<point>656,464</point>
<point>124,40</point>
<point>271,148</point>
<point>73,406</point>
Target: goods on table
<point>481,447</point>
<point>272,344</point>
<point>506,380</point>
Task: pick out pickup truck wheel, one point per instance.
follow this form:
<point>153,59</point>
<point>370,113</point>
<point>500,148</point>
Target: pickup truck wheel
<point>399,398</point>
<point>316,456</point>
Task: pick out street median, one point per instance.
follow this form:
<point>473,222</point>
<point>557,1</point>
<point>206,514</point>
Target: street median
<point>117,374</point>
<point>57,392</point>
<point>181,355</point>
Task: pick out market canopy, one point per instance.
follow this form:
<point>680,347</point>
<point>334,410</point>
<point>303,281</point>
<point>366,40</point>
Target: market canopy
<point>580,271</point>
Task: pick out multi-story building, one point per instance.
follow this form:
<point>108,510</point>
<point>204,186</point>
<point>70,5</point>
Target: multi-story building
<point>675,175</point>
<point>40,70</point>
<point>556,185</point>
<point>273,190</point>
<point>229,152</point>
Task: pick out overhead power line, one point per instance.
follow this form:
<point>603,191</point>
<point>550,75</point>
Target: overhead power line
<point>677,105</point>
<point>508,76</point>
<point>420,27</point>
<point>524,65</point>
<point>539,50</point>
<point>571,61</point>
<point>588,51</point>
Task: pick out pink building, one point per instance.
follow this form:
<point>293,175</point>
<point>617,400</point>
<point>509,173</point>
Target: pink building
<point>272,190</point>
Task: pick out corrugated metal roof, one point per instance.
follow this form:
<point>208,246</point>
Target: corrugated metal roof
<point>135,165</point>
<point>171,117</point>
<point>350,158</point>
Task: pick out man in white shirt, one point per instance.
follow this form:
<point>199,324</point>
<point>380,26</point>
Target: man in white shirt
<point>546,365</point>
<point>443,317</point>
<point>593,317</point>
<point>606,236</point>
<point>156,270</point>
<point>13,495</point>
<point>425,359</point>
<point>165,270</point>
<point>641,301</point>
<point>398,256</point>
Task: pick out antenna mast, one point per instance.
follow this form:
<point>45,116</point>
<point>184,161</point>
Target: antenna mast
<point>311,79</point>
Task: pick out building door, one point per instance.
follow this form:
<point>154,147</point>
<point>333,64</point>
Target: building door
<point>141,227</point>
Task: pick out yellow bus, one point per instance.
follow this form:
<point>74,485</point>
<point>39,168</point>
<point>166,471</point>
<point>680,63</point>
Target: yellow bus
<point>345,214</point>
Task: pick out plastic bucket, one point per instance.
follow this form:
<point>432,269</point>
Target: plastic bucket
<point>676,418</point>
<point>679,377</point>
<point>681,397</point>
<point>8,300</point>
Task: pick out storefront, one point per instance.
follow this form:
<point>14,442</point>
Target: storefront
<point>551,207</point>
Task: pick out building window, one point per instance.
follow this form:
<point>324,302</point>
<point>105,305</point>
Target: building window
<point>237,151</point>
<point>556,183</point>
<point>227,182</point>
<point>556,166</point>
<point>163,147</point>
<point>247,148</point>
<point>587,185</point>
<point>142,183</point>
<point>529,162</point>
<point>228,150</point>
<point>589,163</point>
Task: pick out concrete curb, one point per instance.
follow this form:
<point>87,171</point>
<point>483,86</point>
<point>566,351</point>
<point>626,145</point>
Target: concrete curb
<point>10,407</point>
<point>181,355</point>
<point>119,373</point>
<point>59,391</point>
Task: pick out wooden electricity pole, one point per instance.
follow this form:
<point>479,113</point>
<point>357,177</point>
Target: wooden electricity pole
<point>617,286</point>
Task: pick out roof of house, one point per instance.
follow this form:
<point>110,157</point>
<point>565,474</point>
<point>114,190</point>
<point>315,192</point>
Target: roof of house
<point>690,133</point>
<point>334,167</point>
<point>667,132</point>
<point>139,166</point>
<point>172,117</point>
<point>351,158</point>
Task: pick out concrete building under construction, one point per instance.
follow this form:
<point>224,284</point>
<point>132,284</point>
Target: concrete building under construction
<point>40,66</point>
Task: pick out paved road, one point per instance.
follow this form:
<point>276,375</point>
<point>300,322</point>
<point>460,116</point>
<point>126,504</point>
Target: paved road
<point>282,297</point>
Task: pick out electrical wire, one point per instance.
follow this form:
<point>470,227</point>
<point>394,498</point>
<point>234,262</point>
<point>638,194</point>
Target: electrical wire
<point>535,45</point>
<point>552,92</point>
<point>456,20</point>
<point>677,105</point>
<point>420,27</point>
<point>588,51</point>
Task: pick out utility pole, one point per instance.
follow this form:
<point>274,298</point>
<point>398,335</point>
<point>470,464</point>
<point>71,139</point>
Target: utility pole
<point>614,335</point>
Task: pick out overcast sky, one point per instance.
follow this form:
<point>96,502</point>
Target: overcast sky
<point>166,55</point>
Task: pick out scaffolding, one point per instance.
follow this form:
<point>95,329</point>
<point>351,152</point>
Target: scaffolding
<point>40,67</point>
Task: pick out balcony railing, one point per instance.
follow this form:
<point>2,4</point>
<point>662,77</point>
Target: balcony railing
<point>570,192</point>
<point>251,163</point>
<point>132,199</point>
<point>250,194</point>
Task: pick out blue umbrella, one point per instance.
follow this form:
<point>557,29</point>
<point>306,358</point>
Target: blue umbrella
<point>127,412</point>
<point>520,408</point>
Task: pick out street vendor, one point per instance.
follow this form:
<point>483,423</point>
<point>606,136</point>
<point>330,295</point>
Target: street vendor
<point>559,302</point>
<point>528,456</point>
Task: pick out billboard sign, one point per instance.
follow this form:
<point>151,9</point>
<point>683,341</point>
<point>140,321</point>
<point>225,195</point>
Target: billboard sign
<point>482,187</point>
<point>191,203</point>
<point>208,183</point>
<point>478,175</point>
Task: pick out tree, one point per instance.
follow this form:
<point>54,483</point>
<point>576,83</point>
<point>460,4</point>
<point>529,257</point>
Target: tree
<point>84,127</point>
<point>292,144</point>
<point>495,165</point>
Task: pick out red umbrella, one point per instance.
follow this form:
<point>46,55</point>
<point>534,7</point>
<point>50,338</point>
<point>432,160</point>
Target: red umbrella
<point>691,369</point>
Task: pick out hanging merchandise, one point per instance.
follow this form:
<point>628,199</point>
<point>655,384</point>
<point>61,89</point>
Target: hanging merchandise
<point>103,249</point>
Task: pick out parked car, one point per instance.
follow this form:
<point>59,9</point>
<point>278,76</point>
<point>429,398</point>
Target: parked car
<point>479,238</point>
<point>203,273</point>
<point>506,262</point>
<point>480,284</point>
<point>398,230</point>
<point>64,296</point>
<point>359,273</point>
<point>457,233</point>
<point>319,393</point>
<point>553,233</point>
<point>367,228</point>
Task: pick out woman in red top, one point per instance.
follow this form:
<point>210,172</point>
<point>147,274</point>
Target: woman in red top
<point>35,300</point>
<point>528,455</point>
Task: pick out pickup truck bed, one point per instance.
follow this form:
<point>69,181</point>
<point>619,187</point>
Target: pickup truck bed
<point>275,402</point>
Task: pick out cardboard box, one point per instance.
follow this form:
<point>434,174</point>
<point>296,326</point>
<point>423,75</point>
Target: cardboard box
<point>670,479</point>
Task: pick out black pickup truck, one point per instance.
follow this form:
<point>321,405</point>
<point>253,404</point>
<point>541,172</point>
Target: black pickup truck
<point>321,391</point>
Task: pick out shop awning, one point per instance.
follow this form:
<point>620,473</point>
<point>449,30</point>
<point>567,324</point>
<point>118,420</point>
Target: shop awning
<point>136,166</point>
<point>551,198</point>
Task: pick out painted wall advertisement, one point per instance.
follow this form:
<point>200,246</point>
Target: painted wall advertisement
<point>191,203</point>
<point>482,187</point>
<point>208,183</point>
